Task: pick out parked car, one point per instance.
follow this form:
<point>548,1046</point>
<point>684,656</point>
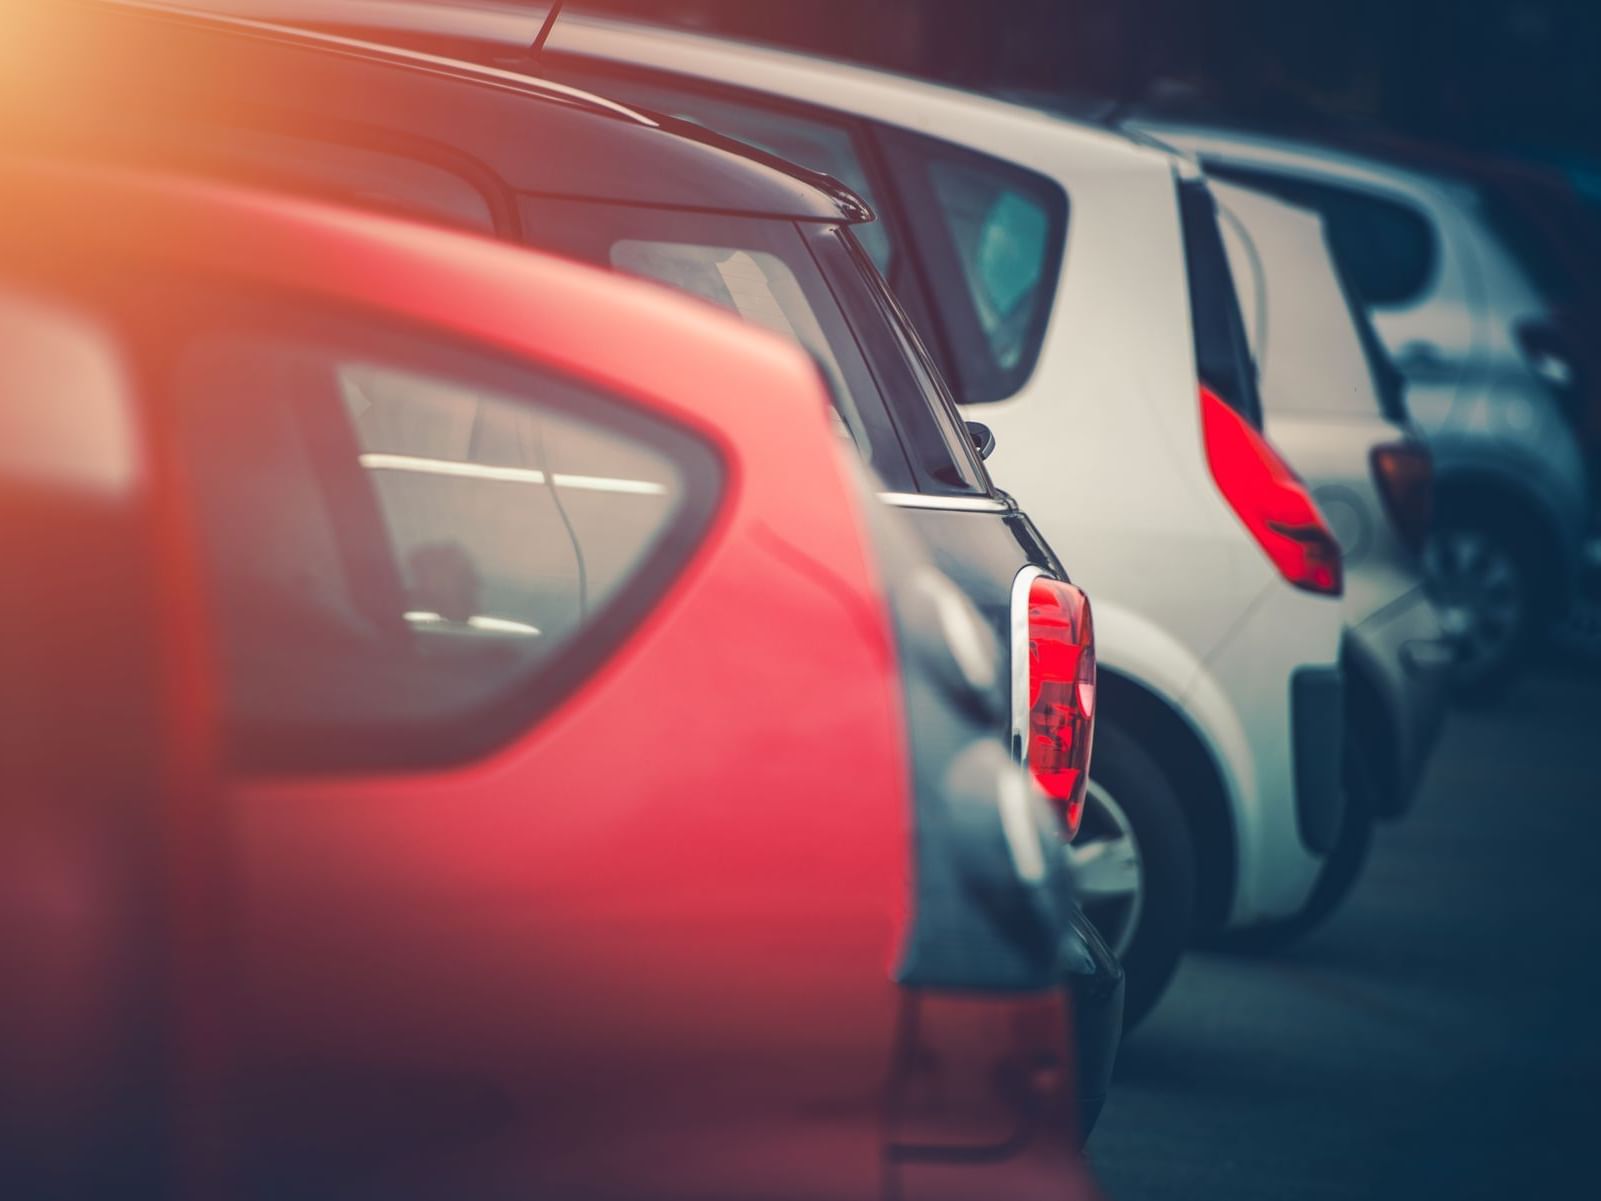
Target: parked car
<point>571,172</point>
<point>1334,406</point>
<point>440,669</point>
<point>1555,236</point>
<point>1468,330</point>
<point>1045,263</point>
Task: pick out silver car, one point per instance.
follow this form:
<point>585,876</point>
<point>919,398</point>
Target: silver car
<point>1464,324</point>
<point>1339,420</point>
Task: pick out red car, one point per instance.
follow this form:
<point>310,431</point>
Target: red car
<point>468,732</point>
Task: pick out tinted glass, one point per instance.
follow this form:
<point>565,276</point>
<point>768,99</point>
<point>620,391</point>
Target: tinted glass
<point>400,557</point>
<point>1000,237</point>
<point>1386,247</point>
<point>932,430</point>
<point>990,235</point>
<point>1222,352</point>
<point>754,284</point>
<point>760,269</point>
<point>814,144</point>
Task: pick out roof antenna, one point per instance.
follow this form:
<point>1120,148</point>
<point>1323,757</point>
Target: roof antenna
<point>544,30</point>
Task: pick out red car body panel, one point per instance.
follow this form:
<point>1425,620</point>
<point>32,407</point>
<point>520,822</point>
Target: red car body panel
<point>643,949</point>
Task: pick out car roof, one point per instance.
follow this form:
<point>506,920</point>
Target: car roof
<point>1296,155</point>
<point>588,147</point>
<point>922,105</point>
<point>570,316</point>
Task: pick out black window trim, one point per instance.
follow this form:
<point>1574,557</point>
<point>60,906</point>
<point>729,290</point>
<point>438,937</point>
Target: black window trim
<point>898,339</point>
<point>1199,217</point>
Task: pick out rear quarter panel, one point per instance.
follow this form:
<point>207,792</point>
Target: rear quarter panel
<point>643,948</point>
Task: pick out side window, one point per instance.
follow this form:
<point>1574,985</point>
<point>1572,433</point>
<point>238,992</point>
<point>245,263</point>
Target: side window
<point>1386,248</point>
<point>817,145</point>
<point>407,562</point>
<point>991,236</point>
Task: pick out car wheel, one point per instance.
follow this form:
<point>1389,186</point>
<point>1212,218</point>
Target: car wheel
<point>1340,872</point>
<point>1484,585</point>
<point>1134,867</point>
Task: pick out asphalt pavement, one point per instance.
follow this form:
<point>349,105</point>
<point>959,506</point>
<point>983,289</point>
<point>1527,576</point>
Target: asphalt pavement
<point>1440,1037</point>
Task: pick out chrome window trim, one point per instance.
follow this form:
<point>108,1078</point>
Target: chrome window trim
<point>1021,583</point>
<point>956,504</point>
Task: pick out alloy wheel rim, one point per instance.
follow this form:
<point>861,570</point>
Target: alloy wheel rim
<point>1108,872</point>
<point>1480,587</point>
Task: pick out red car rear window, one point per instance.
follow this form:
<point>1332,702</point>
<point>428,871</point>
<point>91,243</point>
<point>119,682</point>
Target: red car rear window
<point>410,556</point>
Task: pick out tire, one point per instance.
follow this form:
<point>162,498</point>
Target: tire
<point>1486,581</point>
<point>1340,872</point>
<point>1135,832</point>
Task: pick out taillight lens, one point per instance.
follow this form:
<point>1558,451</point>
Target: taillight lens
<point>1404,473</point>
<point>1061,694</point>
<point>1270,499</point>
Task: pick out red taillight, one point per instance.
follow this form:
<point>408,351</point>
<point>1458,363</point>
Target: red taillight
<point>1270,499</point>
<point>1061,694</point>
<point>1404,472</point>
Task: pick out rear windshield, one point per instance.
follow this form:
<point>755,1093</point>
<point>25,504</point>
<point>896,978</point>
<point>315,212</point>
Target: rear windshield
<point>1386,246</point>
<point>411,553</point>
<point>1222,353</point>
<point>941,449</point>
<point>1296,303</point>
<point>769,271</point>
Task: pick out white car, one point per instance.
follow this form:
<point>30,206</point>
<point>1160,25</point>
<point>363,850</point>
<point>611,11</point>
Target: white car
<point>1335,410</point>
<point>1051,267</point>
<point>1471,334</point>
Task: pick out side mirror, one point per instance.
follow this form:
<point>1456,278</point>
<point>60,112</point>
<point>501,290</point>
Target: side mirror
<point>983,438</point>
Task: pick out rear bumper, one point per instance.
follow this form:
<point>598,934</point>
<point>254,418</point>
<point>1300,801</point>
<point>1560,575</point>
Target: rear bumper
<point>1398,663</point>
<point>1271,740</point>
<point>1095,980</point>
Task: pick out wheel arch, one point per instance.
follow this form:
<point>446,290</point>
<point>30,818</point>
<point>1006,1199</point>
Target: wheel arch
<point>1183,756</point>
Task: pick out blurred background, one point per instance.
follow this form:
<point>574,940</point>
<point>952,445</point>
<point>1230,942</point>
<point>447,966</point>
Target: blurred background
<point>1504,93</point>
<point>1511,77</point>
